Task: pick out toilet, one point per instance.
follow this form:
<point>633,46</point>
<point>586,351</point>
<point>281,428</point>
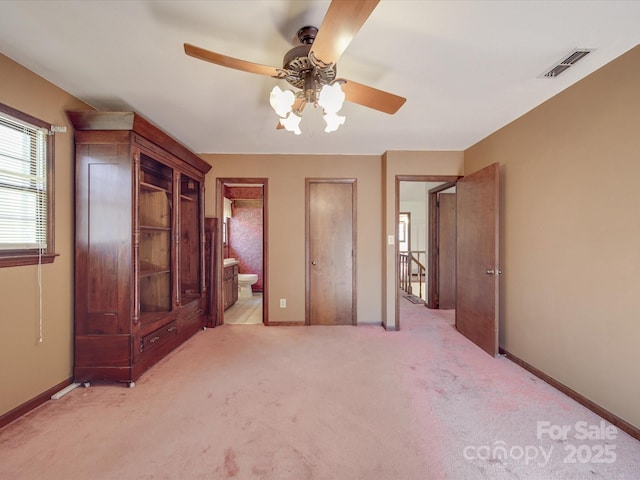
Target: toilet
<point>245,280</point>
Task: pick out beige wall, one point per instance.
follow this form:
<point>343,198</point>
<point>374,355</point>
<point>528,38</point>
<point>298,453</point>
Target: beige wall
<point>28,368</point>
<point>376,201</point>
<point>286,216</point>
<point>570,235</point>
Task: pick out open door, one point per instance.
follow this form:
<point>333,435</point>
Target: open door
<point>442,246</point>
<point>446,252</point>
<point>477,269</point>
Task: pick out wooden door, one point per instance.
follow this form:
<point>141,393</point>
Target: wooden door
<point>330,248</point>
<point>448,242</point>
<point>477,257</point>
<point>446,250</point>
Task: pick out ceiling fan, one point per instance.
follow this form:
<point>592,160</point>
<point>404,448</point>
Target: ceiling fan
<point>311,68</point>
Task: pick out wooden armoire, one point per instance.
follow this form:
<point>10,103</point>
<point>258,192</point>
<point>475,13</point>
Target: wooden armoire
<point>139,253</point>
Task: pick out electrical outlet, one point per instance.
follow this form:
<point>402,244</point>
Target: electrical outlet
<point>283,303</point>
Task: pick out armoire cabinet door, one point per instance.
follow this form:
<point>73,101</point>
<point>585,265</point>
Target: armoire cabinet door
<point>155,221</point>
<point>191,241</point>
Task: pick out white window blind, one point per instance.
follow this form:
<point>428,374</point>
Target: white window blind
<point>23,185</point>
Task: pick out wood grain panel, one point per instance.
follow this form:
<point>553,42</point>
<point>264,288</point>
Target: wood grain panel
<point>103,350</point>
<point>104,239</point>
<point>331,253</point>
<point>447,250</point>
<point>476,255</point>
<point>341,23</point>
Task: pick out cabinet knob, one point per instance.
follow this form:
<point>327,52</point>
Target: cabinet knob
<point>314,262</point>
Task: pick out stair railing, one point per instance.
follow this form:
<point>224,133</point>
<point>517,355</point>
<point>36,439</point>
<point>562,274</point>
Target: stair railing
<point>407,262</point>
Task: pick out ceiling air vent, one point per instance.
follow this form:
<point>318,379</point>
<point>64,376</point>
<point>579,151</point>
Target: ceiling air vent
<point>571,59</point>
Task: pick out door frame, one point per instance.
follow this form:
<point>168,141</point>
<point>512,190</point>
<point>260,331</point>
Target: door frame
<point>354,245</point>
<point>409,178</point>
<point>220,182</point>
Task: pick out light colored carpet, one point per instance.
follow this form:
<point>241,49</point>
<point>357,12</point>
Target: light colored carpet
<point>280,403</point>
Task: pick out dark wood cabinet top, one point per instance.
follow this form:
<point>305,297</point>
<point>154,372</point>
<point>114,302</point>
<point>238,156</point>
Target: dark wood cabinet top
<point>130,121</point>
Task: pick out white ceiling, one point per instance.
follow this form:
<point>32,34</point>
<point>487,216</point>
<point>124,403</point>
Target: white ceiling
<point>467,68</point>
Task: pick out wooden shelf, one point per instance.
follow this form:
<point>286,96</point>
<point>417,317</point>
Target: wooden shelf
<point>149,228</point>
<point>148,272</point>
<point>152,187</point>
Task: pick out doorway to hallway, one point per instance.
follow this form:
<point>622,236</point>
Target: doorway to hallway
<point>477,268</point>
<point>418,237</point>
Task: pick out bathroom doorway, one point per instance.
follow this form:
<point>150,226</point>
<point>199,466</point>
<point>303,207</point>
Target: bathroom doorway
<point>241,207</point>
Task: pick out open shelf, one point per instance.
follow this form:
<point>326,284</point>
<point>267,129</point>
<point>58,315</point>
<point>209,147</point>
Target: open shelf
<point>150,228</point>
<point>147,271</point>
<point>153,188</point>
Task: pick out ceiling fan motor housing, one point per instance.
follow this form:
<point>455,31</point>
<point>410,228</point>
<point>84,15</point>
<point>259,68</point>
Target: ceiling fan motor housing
<point>307,34</point>
<point>300,66</point>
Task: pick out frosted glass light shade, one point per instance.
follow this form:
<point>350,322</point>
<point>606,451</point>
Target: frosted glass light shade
<point>281,101</point>
<point>333,121</point>
<point>331,98</point>
<point>292,123</point>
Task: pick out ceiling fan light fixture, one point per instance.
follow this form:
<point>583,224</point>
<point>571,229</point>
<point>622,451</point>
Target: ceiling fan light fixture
<point>292,123</point>
<point>281,101</point>
<point>333,121</point>
<point>328,96</point>
<point>310,68</point>
<point>331,98</point>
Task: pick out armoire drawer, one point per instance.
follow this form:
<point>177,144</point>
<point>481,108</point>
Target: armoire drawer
<point>159,337</point>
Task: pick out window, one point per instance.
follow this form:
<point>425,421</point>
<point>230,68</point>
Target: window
<point>26,189</point>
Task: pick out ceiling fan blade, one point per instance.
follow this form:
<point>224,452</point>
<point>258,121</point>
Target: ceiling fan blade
<point>372,97</point>
<point>343,20</point>
<point>230,62</point>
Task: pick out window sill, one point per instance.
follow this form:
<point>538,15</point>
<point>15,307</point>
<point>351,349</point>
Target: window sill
<point>26,259</point>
